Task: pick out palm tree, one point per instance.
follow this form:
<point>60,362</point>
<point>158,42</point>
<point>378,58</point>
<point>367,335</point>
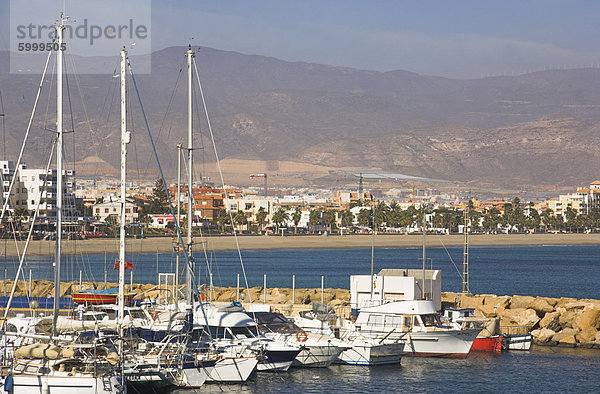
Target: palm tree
<point>296,217</point>
<point>223,219</point>
<point>329,217</point>
<point>280,217</point>
<point>364,217</point>
<point>261,217</point>
<point>314,218</point>
<point>347,218</point>
<point>240,218</point>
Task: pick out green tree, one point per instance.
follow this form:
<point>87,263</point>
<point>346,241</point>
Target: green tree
<point>223,219</point>
<point>296,217</point>
<point>364,217</point>
<point>261,217</point>
<point>240,218</point>
<point>380,214</point>
<point>280,217</point>
<point>347,218</point>
<point>314,218</point>
<point>329,217</point>
<point>158,199</point>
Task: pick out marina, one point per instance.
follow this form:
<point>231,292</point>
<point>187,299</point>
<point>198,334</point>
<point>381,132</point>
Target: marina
<point>418,310</point>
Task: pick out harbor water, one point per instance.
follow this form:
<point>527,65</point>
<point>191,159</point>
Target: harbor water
<point>553,271</point>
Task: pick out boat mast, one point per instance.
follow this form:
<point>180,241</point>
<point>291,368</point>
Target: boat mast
<point>372,247</point>
<point>190,213</point>
<point>125,137</point>
<point>59,177</point>
<point>424,249</point>
<point>465,276</point>
<point>178,216</point>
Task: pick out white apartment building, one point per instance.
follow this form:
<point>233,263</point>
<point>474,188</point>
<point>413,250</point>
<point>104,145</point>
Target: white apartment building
<point>112,208</point>
<point>39,187</point>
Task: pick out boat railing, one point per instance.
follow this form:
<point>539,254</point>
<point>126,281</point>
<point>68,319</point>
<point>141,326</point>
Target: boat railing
<point>514,330</point>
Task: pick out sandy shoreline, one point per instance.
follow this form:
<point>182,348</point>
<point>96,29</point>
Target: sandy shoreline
<point>165,244</point>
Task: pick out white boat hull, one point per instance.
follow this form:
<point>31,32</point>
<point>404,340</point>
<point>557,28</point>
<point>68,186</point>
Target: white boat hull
<point>371,354</point>
<point>518,342</point>
<point>232,369</point>
<point>33,384</point>
<point>451,344</point>
<point>317,356</point>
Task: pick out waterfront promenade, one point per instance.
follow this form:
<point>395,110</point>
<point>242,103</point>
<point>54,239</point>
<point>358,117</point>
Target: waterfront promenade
<point>227,242</point>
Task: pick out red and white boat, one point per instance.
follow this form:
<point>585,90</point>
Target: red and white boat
<point>463,318</point>
<point>100,297</point>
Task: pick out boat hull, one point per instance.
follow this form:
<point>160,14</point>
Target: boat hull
<point>278,360</point>
<point>518,342</point>
<point>99,299</point>
<point>33,384</point>
<point>371,354</point>
<point>232,369</point>
<point>449,344</point>
<point>487,344</point>
<point>317,356</point>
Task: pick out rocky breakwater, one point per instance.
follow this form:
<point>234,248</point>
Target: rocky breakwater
<point>551,321</point>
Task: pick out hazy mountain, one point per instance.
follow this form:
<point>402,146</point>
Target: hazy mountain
<point>528,130</point>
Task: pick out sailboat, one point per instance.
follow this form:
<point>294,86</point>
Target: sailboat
<point>53,367</point>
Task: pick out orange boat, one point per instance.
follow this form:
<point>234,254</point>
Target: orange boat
<point>99,297</point>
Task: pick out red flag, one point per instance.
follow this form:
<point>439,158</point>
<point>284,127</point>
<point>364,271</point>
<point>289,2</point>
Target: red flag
<point>128,265</point>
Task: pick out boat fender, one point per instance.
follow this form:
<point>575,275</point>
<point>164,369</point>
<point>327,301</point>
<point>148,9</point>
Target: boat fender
<point>8,384</point>
<point>301,336</point>
<point>155,315</point>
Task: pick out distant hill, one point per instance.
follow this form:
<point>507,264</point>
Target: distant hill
<point>523,131</point>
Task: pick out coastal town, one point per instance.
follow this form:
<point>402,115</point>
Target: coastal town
<point>92,208</point>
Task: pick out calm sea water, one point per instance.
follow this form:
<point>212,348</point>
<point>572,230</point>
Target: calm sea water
<point>553,271</point>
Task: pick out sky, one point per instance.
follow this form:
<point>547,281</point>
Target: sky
<point>454,38</point>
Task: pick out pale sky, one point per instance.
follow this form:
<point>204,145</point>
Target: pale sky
<point>458,38</point>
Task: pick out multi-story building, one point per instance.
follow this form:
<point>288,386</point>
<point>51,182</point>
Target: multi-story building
<point>39,186</point>
<point>17,198</point>
<point>111,209</point>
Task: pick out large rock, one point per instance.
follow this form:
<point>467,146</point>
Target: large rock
<point>589,318</point>
<point>469,301</point>
<point>567,317</point>
<point>519,317</point>
<point>493,305</point>
<point>543,336</point>
<point>551,321</point>
<point>541,306</point>
<point>566,337</point>
<point>587,337</point>
<point>521,302</point>
<point>564,301</point>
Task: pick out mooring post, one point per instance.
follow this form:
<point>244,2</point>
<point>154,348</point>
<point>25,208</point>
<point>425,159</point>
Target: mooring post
<point>80,280</point>
<point>265,287</point>
<point>293,289</point>
<point>322,288</point>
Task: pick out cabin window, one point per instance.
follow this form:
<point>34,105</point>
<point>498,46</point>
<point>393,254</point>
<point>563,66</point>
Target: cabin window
<point>31,369</point>
<point>376,320</point>
<point>430,320</point>
<point>416,322</point>
<point>391,320</point>
<point>407,322</point>
<point>20,368</point>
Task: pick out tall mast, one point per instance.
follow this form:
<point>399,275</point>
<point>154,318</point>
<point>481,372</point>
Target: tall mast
<point>190,205</point>
<point>372,245</point>
<point>465,281</point>
<point>178,216</point>
<point>59,177</point>
<point>125,137</point>
<point>424,249</point>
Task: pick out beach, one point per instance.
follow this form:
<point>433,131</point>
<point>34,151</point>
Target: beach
<point>228,242</point>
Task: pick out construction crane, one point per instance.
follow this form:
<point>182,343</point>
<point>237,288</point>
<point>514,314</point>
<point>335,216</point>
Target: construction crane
<point>252,176</point>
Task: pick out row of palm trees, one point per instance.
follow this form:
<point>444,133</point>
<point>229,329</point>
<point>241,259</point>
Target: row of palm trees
<point>514,217</point>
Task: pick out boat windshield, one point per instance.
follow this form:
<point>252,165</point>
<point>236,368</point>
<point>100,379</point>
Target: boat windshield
<point>431,320</point>
<point>137,313</point>
<point>274,322</point>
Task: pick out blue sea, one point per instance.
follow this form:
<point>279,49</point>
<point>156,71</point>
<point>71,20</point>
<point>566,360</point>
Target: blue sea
<point>553,271</point>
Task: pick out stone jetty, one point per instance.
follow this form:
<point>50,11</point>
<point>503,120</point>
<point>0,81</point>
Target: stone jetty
<point>551,321</point>
<point>568,322</point>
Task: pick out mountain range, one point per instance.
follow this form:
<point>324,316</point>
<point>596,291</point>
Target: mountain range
<point>533,131</point>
